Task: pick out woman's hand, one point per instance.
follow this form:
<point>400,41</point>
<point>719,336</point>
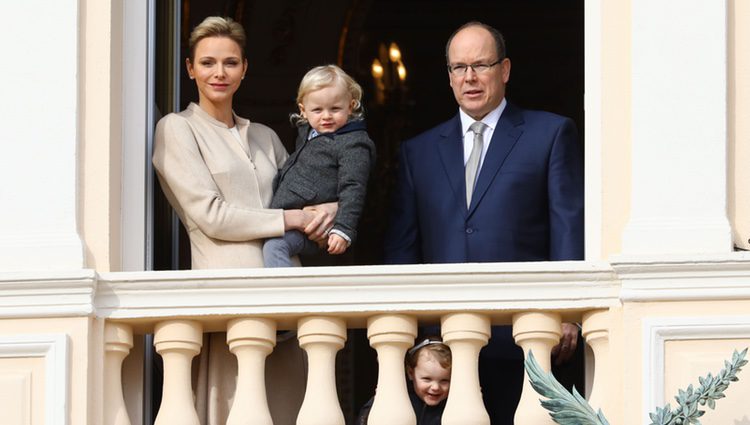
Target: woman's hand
<point>296,219</point>
<point>318,227</point>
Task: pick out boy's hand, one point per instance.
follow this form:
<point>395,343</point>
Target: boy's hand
<point>336,244</point>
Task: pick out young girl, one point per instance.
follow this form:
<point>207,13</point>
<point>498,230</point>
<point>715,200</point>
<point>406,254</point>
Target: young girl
<point>428,367</point>
<point>331,162</point>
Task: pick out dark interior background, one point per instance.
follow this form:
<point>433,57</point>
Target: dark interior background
<point>545,42</point>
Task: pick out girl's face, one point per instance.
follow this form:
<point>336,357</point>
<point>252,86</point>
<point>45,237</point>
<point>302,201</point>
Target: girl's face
<point>327,109</point>
<point>431,380</point>
<point>217,68</point>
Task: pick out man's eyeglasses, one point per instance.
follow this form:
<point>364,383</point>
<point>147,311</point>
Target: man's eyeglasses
<point>459,69</point>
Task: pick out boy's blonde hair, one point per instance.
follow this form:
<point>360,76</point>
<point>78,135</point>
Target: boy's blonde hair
<point>325,76</point>
<point>432,345</point>
<point>216,26</point>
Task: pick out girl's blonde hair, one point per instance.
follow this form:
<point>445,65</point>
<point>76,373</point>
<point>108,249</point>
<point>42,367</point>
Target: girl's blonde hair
<point>325,76</point>
<point>216,26</point>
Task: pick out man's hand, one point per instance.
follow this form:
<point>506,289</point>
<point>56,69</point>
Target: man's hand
<point>564,351</point>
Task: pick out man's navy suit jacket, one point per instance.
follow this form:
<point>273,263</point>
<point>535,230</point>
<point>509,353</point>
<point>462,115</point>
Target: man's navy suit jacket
<point>527,203</point>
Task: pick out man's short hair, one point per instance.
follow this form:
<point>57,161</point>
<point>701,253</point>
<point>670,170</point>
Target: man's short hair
<point>496,35</point>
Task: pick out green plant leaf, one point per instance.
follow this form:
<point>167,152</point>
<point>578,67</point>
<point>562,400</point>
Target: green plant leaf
<point>565,408</point>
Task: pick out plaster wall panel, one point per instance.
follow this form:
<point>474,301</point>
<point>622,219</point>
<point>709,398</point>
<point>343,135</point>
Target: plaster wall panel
<point>22,391</point>
<point>686,360</point>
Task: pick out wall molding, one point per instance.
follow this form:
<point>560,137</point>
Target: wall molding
<point>47,294</point>
<point>657,331</point>
<point>54,349</point>
<point>684,278</point>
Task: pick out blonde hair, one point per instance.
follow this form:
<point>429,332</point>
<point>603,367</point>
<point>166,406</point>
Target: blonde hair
<point>325,76</point>
<point>216,26</point>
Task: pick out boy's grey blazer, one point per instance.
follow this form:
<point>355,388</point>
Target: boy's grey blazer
<point>329,167</point>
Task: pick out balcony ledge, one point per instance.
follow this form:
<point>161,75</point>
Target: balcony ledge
<point>497,287</point>
<point>684,278</point>
<point>360,291</point>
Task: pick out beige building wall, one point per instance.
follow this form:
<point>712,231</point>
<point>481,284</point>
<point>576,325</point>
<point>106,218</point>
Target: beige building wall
<point>616,158</point>
<point>614,376</point>
<point>739,121</point>
<point>615,124</point>
<point>84,359</point>
<point>684,361</point>
<point>22,390</point>
<point>690,359</point>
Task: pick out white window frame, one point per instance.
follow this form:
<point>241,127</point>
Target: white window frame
<point>137,110</point>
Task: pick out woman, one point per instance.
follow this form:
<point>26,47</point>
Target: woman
<point>216,170</point>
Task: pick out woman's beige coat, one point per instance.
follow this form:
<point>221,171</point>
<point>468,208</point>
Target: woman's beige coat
<point>220,188</point>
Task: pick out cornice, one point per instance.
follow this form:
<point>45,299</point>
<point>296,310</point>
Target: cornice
<point>684,278</point>
<point>47,294</point>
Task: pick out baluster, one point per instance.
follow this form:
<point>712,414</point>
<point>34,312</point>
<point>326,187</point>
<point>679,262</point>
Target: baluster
<point>178,341</point>
<point>465,334</point>
<point>118,340</point>
<point>596,331</point>
<point>321,338</point>
<point>391,335</point>
<point>251,340</point>
<point>537,332</point>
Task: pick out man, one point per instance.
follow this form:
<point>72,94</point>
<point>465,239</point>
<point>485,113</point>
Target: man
<point>508,189</point>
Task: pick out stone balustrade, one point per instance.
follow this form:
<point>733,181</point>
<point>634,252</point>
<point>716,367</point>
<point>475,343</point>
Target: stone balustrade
<point>118,340</point>
<point>251,339</point>
<point>322,304</point>
<point>94,326</point>
<point>178,341</point>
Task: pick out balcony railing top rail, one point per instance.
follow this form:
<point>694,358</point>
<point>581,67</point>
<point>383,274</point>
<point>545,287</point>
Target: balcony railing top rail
<point>493,288</point>
<point>359,291</point>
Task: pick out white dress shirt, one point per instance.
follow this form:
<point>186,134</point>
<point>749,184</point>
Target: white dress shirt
<point>490,120</point>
